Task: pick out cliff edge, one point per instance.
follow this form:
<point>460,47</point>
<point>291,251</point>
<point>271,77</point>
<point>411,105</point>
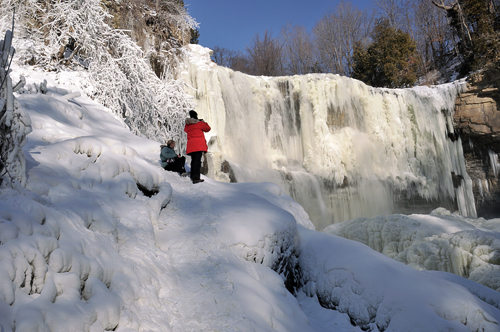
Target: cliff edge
<point>477,121</point>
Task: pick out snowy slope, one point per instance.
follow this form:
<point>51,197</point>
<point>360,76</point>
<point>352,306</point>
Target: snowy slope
<point>102,238</point>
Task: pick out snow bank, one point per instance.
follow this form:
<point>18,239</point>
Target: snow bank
<point>223,242</point>
<point>466,247</point>
<point>380,294</point>
<point>64,240</point>
<point>89,252</point>
<point>53,279</point>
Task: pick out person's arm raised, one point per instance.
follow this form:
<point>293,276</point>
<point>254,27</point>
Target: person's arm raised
<point>206,128</point>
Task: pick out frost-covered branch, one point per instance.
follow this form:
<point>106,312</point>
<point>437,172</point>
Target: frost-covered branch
<point>14,124</point>
<point>78,32</point>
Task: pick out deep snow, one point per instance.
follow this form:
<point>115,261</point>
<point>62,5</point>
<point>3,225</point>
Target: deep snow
<point>84,249</point>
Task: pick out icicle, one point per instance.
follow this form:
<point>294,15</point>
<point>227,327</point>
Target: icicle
<point>495,165</point>
<point>480,187</point>
<point>471,144</point>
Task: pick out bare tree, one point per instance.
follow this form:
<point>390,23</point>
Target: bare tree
<point>426,24</point>
<point>298,49</point>
<point>433,35</point>
<point>455,12</point>
<point>335,35</point>
<point>391,9</point>
<point>231,59</point>
<point>223,56</point>
<point>399,13</point>
<point>476,25</point>
<point>240,63</point>
<point>265,56</point>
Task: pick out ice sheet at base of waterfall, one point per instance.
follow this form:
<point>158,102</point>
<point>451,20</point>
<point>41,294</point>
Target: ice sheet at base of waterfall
<point>341,148</point>
<point>441,241</point>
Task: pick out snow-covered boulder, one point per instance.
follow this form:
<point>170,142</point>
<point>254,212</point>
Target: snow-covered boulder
<point>446,242</point>
<point>380,294</point>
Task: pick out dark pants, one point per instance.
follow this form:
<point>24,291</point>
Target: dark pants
<point>195,164</point>
<point>177,165</point>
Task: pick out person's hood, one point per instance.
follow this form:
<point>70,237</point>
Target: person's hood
<point>192,121</point>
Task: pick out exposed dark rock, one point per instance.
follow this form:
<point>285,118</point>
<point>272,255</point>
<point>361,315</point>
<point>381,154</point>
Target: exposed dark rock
<point>331,185</point>
<point>204,165</point>
<point>147,192</point>
<point>477,110</point>
<point>289,269</point>
<point>152,28</point>
<point>345,183</point>
<point>457,179</point>
<point>336,117</point>
<point>477,120</point>
<point>225,167</point>
<point>405,203</point>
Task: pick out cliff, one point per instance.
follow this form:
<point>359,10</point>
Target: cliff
<point>159,28</point>
<point>477,121</point>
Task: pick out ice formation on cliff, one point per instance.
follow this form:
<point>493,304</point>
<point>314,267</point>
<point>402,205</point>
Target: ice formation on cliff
<point>339,147</point>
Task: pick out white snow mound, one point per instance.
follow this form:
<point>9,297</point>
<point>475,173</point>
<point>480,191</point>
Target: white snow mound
<point>442,241</point>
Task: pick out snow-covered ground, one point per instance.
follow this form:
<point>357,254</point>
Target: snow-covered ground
<point>102,238</point>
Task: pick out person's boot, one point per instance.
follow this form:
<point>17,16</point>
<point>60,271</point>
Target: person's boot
<point>198,181</point>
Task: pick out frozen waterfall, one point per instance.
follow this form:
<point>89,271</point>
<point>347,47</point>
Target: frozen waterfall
<point>340,148</point>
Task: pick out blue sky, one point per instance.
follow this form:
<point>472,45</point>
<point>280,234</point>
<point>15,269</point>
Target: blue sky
<point>233,23</point>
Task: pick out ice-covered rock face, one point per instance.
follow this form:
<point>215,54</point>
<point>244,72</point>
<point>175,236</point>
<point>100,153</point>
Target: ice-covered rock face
<point>466,247</point>
<point>339,147</point>
<point>477,119</point>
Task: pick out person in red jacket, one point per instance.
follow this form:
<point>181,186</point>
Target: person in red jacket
<point>196,143</point>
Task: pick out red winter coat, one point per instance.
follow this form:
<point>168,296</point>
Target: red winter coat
<point>196,139</point>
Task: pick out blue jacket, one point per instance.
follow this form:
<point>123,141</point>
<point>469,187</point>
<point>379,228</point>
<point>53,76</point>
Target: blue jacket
<point>167,155</point>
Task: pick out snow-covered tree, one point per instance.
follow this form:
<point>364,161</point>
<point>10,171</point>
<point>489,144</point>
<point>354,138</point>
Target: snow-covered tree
<point>14,123</point>
<point>72,34</point>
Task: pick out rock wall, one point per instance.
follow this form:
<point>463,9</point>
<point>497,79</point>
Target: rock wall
<point>477,122</point>
<point>160,30</point>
